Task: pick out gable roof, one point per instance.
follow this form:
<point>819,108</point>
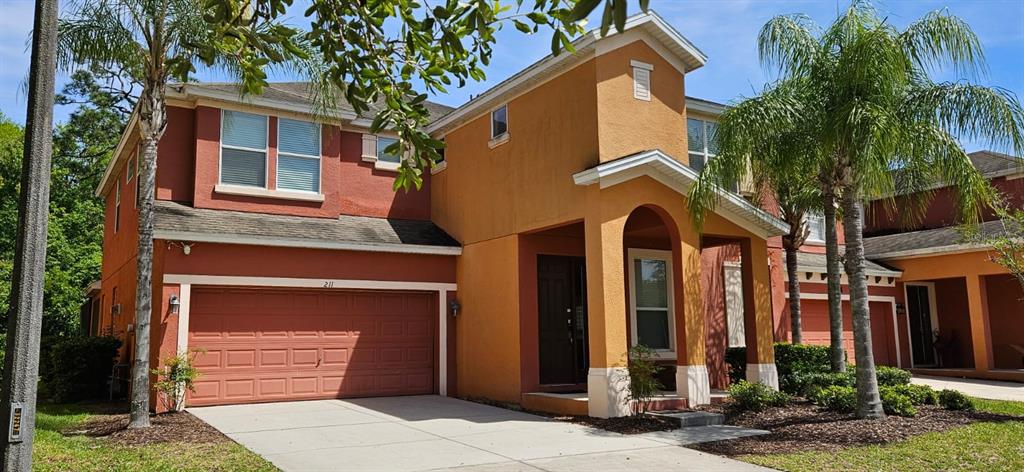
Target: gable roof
<point>927,242</point>
<point>993,164</point>
<point>551,65</point>
<point>680,177</point>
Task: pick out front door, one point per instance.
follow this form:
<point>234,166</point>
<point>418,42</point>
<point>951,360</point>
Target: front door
<point>919,314</point>
<point>562,327</point>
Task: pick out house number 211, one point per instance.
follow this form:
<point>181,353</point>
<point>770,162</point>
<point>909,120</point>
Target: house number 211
<point>329,284</point>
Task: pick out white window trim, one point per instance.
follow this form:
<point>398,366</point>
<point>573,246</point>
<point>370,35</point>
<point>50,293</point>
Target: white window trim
<point>117,206</point>
<point>653,254</point>
<point>503,138</point>
<point>640,68</point>
<point>265,151</point>
<point>807,220</point>
<point>704,145</point>
<point>318,157</point>
<point>379,164</point>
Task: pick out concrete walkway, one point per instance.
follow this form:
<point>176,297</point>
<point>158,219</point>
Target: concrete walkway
<point>991,389</point>
<point>431,432</point>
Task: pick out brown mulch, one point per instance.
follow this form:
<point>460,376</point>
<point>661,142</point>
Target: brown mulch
<point>624,425</point>
<point>167,427</point>
<point>805,427</point>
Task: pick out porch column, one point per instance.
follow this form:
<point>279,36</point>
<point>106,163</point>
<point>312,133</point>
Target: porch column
<point>692,381</point>
<point>757,313</point>
<point>981,334</point>
<point>608,378</point>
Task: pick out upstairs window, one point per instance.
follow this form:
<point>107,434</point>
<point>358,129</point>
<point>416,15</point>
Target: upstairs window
<point>815,226</point>
<point>117,206</point>
<point>298,157</point>
<point>243,153</point>
<point>383,155</point>
<point>499,123</point>
<point>701,142</point>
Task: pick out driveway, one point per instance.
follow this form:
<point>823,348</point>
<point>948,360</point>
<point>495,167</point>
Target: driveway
<point>431,432</point>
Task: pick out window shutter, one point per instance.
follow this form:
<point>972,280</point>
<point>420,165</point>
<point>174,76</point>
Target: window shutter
<point>369,147</point>
<point>641,84</point>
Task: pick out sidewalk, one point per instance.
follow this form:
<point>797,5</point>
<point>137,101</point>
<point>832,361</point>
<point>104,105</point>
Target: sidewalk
<point>990,389</point>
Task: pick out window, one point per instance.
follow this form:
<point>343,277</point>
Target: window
<point>298,157</point>
<point>243,153</point>
<point>651,319</point>
<point>701,142</point>
<point>138,182</point>
<point>382,154</point>
<point>117,206</point>
<point>130,170</point>
<point>641,80</point>
<point>499,122</point>
<point>815,226</point>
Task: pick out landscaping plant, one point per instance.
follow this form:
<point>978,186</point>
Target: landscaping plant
<point>177,375</point>
<point>955,400</point>
<point>77,368</point>
<point>837,398</point>
<point>892,376</point>
<point>643,378</point>
<point>752,396</point>
<point>895,402</point>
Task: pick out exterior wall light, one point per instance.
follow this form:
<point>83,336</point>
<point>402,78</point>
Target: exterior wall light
<point>175,304</point>
<point>454,307</point>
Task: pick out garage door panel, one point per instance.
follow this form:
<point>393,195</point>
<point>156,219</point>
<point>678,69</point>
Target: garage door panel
<point>267,345</point>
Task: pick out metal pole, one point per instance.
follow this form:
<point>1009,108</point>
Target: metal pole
<point>21,366</point>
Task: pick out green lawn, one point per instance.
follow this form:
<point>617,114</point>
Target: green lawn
<point>980,446</point>
<point>54,451</point>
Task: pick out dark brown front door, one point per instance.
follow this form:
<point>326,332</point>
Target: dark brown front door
<point>561,298</point>
<point>920,316</point>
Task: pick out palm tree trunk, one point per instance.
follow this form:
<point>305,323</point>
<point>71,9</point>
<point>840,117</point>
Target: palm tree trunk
<point>869,404</point>
<point>794,294</point>
<point>837,353</point>
<point>152,122</point>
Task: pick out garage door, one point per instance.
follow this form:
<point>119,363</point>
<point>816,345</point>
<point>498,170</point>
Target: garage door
<point>273,345</point>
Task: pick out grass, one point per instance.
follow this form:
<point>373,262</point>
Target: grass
<point>980,446</point>
<point>53,451</point>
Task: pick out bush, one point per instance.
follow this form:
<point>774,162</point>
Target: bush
<point>896,402</point>
<point>736,359</point>
<point>892,376</point>
<point>954,400</point>
<point>643,378</point>
<point>918,394</point>
<point>77,368</point>
<point>177,375</point>
<point>812,382</point>
<point>748,396</point>
<point>791,361</point>
<point>837,398</point>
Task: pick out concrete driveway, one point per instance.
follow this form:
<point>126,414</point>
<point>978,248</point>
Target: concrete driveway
<point>431,432</point>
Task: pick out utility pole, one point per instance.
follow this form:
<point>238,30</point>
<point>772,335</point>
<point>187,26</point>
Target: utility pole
<point>21,365</point>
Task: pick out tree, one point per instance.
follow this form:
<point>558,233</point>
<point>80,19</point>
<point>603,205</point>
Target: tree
<point>395,52</point>
<point>781,163</point>
<point>1007,243</point>
<point>153,42</point>
<point>877,111</point>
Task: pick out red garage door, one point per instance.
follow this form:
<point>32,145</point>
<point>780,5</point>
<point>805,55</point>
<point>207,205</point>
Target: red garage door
<point>272,345</point>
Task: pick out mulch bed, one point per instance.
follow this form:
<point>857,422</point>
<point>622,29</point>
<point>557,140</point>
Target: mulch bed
<point>624,425</point>
<point>167,427</point>
<point>805,427</point>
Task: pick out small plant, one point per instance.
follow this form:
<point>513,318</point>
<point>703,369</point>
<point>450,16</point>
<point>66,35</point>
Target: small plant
<point>918,394</point>
<point>892,376</point>
<point>747,396</point>
<point>643,378</point>
<point>177,375</point>
<point>955,400</point>
<point>895,402</point>
<point>812,382</point>
<point>837,398</point>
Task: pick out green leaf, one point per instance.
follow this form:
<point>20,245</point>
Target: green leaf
<point>582,9</point>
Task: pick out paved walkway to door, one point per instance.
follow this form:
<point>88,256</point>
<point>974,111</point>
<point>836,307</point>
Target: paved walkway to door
<point>431,432</point>
<point>991,389</point>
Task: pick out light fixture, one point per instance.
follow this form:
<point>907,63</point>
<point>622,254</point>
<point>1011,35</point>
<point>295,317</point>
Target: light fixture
<point>186,248</point>
<point>175,304</point>
<point>454,306</point>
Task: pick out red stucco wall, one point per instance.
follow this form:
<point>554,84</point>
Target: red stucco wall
<point>881,218</point>
<point>1006,320</point>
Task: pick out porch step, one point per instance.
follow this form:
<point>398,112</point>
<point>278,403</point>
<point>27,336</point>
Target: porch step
<point>692,418</point>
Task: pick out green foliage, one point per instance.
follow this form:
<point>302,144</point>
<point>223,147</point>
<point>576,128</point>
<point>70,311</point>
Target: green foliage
<point>811,382</point>
<point>389,53</point>
<point>918,394</point>
<point>892,376</point>
<point>747,396</point>
<point>77,368</point>
<point>794,362</point>
<point>896,402</point>
<point>1007,244</point>
<point>177,375</point>
<point>837,398</point>
<point>955,400</point>
<point>643,378</point>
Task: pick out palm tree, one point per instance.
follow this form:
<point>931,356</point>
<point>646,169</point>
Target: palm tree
<point>153,42</point>
<point>876,110</point>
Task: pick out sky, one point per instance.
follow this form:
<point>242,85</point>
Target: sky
<point>726,30</point>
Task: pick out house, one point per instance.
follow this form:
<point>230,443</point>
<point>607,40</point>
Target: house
<point>552,237</point>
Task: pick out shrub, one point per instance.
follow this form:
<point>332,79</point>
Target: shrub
<point>747,396</point>
<point>892,376</point>
<point>177,375</point>
<point>954,400</point>
<point>736,359</point>
<point>812,382</point>
<point>895,402</point>
<point>837,398</point>
<point>791,361</point>
<point>918,394</point>
<point>77,368</point>
<point>643,378</point>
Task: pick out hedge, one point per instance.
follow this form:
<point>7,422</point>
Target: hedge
<point>77,368</point>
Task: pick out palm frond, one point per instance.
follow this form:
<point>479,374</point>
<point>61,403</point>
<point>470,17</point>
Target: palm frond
<point>939,39</point>
<point>788,43</point>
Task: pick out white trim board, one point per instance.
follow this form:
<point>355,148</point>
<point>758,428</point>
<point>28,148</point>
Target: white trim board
<point>634,254</point>
<point>306,243</point>
<point>871,298</point>
<point>186,281</point>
